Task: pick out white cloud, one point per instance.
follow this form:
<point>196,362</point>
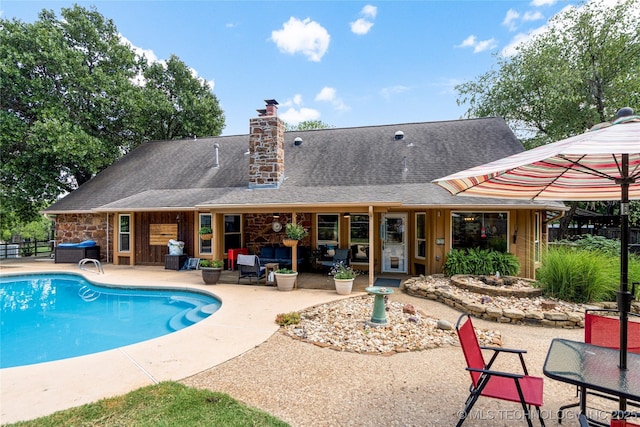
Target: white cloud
<point>369,11</point>
<point>363,25</point>
<point>306,37</point>
<point>328,94</point>
<point>478,46</point>
<point>388,92</point>
<point>483,45</point>
<point>468,42</point>
<point>510,18</point>
<point>532,16</point>
<point>521,38</point>
<point>538,3</point>
<point>294,116</point>
<point>296,100</point>
<point>147,53</point>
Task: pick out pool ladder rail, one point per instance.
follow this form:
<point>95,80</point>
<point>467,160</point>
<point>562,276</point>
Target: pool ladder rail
<point>88,294</point>
<point>98,266</point>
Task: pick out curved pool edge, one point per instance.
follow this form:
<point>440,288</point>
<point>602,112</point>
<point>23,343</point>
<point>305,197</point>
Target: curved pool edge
<point>244,320</point>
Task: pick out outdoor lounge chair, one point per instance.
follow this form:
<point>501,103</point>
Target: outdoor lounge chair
<point>249,267</point>
<point>604,331</point>
<point>521,388</point>
<point>340,255</point>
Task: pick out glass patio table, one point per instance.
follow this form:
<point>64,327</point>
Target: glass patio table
<point>593,367</point>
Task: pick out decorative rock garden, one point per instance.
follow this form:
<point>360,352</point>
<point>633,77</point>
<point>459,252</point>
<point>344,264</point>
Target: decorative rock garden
<point>342,326</point>
<point>511,300</point>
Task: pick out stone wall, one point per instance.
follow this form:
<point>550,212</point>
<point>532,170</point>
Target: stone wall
<point>75,228</point>
<point>258,231</point>
<point>443,292</point>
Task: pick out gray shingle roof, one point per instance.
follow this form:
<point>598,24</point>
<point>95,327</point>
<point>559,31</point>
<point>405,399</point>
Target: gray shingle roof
<point>362,165</point>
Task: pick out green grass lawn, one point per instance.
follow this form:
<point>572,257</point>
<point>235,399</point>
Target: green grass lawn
<point>164,404</point>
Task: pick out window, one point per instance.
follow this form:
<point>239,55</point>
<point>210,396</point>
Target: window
<point>124,233</point>
<point>486,230</point>
<point>421,235</point>
<point>232,232</point>
<point>359,238</point>
<point>328,232</point>
<point>205,245</point>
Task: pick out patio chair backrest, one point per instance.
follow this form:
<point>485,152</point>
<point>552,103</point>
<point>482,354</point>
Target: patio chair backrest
<point>605,331</point>
<point>471,348</point>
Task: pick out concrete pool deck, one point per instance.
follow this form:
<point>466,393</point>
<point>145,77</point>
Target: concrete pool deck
<point>245,320</point>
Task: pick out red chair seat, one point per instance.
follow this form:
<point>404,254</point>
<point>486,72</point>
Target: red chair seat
<point>505,389</point>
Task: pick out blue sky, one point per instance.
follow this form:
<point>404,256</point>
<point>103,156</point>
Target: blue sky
<point>346,63</point>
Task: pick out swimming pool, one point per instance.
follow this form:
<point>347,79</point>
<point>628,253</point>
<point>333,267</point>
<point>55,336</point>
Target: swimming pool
<point>46,317</point>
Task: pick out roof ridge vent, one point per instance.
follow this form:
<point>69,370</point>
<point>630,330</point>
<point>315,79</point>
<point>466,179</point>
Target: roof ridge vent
<point>399,135</point>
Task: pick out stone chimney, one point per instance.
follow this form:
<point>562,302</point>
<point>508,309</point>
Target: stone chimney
<point>266,148</point>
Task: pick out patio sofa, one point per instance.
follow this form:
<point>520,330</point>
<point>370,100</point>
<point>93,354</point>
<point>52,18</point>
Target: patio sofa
<point>281,255</point>
<point>74,252</point>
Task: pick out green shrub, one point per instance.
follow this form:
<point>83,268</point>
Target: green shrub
<point>478,261</point>
<point>593,243</point>
<point>284,319</point>
<point>578,275</point>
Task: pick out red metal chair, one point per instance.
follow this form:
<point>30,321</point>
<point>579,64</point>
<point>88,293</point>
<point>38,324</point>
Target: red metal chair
<point>619,419</point>
<point>521,388</point>
<point>604,331</point>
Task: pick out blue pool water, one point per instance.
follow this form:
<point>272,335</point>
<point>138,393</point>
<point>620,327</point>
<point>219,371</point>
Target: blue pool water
<point>47,317</point>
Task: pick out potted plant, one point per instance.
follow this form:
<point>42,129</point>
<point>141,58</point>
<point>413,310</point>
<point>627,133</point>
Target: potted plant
<point>343,277</point>
<point>285,279</point>
<point>205,233</point>
<point>211,270</point>
<point>295,233</point>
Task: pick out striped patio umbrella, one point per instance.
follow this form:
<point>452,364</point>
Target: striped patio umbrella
<point>601,164</point>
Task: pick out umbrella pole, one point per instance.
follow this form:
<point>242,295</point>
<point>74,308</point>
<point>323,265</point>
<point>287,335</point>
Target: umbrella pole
<point>624,296</point>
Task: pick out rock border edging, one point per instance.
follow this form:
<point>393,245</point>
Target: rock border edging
<point>418,287</point>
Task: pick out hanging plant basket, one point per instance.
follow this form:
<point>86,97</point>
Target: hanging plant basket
<point>290,242</point>
<point>206,236</point>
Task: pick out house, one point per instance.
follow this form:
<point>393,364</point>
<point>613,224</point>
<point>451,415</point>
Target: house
<point>367,189</point>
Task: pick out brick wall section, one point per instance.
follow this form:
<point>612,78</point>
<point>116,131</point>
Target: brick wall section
<point>266,148</point>
<point>258,231</point>
<point>74,228</point>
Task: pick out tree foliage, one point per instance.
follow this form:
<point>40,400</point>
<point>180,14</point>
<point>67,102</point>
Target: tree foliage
<point>307,125</point>
<point>70,104</point>
<point>563,81</point>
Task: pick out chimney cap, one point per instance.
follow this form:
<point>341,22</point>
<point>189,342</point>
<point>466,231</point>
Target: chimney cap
<point>271,102</point>
<point>262,111</point>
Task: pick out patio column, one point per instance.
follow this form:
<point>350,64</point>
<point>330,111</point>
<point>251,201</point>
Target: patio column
<point>294,250</point>
<point>372,246</point>
<point>217,243</point>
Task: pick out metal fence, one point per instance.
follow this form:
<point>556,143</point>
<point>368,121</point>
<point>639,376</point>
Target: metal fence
<point>26,248</point>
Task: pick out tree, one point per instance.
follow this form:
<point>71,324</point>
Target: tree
<point>563,81</point>
<point>70,107</point>
<point>567,79</point>
<point>179,104</point>
<point>307,125</point>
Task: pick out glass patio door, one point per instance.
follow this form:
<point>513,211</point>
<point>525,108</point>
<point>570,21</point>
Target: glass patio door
<point>394,243</point>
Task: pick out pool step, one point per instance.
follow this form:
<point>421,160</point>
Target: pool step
<point>197,312</point>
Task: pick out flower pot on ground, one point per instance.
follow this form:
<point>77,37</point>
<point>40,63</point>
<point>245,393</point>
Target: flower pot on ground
<point>205,233</point>
<point>343,277</point>
<point>211,271</point>
<point>285,279</point>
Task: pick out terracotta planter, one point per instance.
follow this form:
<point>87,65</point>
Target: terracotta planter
<point>210,276</point>
<point>343,286</point>
<point>285,282</point>
<point>206,236</point>
<point>290,242</point>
